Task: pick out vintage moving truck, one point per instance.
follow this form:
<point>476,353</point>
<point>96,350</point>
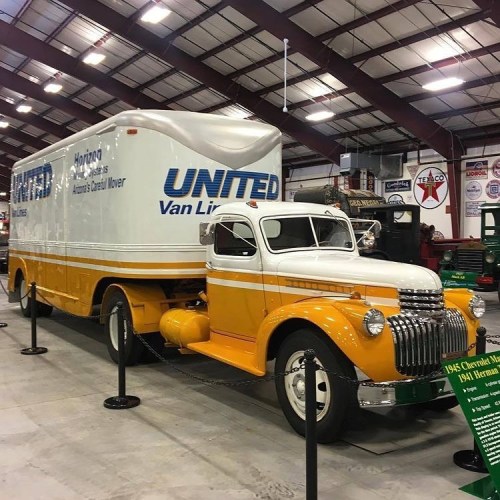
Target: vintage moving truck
<point>118,212</point>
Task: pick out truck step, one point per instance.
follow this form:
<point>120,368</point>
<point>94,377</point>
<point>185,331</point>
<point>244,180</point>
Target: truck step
<point>234,352</point>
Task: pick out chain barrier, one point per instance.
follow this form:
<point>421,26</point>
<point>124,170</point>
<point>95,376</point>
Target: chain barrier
<point>268,378</point>
<point>3,288</point>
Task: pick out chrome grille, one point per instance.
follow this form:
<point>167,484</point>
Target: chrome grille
<point>421,303</point>
<point>420,345</point>
<point>470,260</point>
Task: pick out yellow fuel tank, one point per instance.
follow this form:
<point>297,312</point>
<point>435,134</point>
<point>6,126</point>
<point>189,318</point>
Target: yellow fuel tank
<point>183,326</point>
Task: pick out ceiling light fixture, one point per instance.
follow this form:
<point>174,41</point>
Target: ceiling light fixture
<point>155,14</point>
<point>3,193</point>
<point>52,88</point>
<point>320,115</point>
<point>443,84</point>
<point>24,108</point>
<point>94,58</point>
<point>33,79</point>
<point>4,124</point>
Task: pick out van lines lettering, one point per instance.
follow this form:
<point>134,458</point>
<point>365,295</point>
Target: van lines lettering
<point>214,184</point>
<point>33,184</point>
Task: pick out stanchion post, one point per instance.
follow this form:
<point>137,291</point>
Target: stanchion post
<point>34,349</point>
<point>311,437</point>
<point>472,460</point>
<point>122,401</point>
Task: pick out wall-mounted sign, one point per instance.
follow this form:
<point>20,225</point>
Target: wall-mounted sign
<point>472,208</point>
<point>395,186</point>
<point>473,190</point>
<point>430,187</point>
<point>476,169</point>
<point>395,199</point>
<point>495,168</point>
<point>493,189</point>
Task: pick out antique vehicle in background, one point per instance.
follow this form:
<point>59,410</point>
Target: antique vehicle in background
<point>475,263</point>
<point>399,235</point>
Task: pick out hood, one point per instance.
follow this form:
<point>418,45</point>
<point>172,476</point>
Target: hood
<point>356,270</point>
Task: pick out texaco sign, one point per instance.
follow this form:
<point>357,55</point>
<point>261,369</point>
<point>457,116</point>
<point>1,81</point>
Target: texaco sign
<point>430,187</point>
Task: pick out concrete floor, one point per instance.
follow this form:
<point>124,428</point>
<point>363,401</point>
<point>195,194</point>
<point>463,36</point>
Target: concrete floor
<point>188,440</point>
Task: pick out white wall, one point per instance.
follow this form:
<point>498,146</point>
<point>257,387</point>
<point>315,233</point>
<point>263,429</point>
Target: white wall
<point>486,187</point>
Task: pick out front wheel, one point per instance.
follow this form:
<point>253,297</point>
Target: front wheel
<point>133,347</point>
<point>335,396</point>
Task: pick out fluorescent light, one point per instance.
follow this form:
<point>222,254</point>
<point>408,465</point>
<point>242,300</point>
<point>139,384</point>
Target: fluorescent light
<point>155,14</point>
<point>320,115</point>
<point>4,124</point>
<point>10,100</point>
<point>443,84</point>
<point>24,108</point>
<point>52,88</point>
<point>3,193</point>
<point>94,58</point>
<point>33,79</point>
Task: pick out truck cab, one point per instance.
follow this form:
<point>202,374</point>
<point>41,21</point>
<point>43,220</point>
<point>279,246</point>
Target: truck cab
<point>286,277</point>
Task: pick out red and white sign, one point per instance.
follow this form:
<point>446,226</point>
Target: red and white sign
<point>476,169</point>
<point>430,187</point>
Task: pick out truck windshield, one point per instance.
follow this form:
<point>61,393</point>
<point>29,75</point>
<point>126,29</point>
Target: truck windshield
<point>286,233</point>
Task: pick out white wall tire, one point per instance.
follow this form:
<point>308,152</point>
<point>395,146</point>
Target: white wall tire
<point>335,397</point>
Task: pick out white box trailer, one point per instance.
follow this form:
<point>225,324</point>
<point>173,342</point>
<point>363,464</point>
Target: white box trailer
<point>121,202</point>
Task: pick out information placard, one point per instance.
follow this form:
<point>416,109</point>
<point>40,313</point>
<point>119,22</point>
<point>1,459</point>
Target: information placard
<point>476,382</point>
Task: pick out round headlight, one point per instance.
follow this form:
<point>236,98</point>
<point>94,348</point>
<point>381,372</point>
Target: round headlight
<point>489,258</point>
<point>447,256</point>
<point>373,322</point>
<point>477,307</point>
<point>368,240</point>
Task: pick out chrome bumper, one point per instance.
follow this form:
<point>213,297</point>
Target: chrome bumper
<point>404,393</point>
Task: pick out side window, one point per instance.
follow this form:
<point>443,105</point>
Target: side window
<point>234,238</point>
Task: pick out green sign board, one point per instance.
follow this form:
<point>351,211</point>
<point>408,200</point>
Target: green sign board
<point>458,279</point>
<point>476,382</point>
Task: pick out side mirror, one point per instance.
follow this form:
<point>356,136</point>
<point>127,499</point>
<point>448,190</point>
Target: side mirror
<point>206,233</point>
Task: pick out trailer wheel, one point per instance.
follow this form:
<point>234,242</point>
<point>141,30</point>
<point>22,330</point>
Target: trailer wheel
<point>42,309</point>
<point>24,299</point>
<point>335,396</point>
<point>440,405</point>
<point>133,346</point>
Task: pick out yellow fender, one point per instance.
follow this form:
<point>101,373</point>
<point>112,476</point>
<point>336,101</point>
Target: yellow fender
<point>341,321</point>
<point>16,264</point>
<point>147,304</point>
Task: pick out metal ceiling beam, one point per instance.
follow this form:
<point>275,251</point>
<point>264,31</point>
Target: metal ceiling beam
<point>23,138</point>
<point>23,43</point>
<point>363,56</point>
<point>36,121</point>
<point>400,111</point>
<point>327,35</point>
<point>491,8</point>
<point>172,55</point>
<point>17,152</point>
<point>5,161</point>
<point>22,85</point>
<point>424,68</point>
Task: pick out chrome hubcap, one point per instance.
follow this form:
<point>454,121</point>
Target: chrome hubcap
<point>295,387</point>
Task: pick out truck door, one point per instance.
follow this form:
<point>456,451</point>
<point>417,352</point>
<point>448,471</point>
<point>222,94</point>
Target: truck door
<point>234,280</point>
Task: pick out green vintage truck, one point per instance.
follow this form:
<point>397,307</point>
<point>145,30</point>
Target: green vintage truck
<point>476,264</point>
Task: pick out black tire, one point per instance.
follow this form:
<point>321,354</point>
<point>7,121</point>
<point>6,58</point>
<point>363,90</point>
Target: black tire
<point>440,405</point>
<point>25,302</point>
<point>133,346</point>
<point>339,395</point>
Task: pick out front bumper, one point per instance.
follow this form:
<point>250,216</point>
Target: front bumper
<point>404,392</point>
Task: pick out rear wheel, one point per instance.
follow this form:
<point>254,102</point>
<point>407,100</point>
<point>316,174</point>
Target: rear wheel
<point>25,301</point>
<point>335,396</point>
<point>133,346</point>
